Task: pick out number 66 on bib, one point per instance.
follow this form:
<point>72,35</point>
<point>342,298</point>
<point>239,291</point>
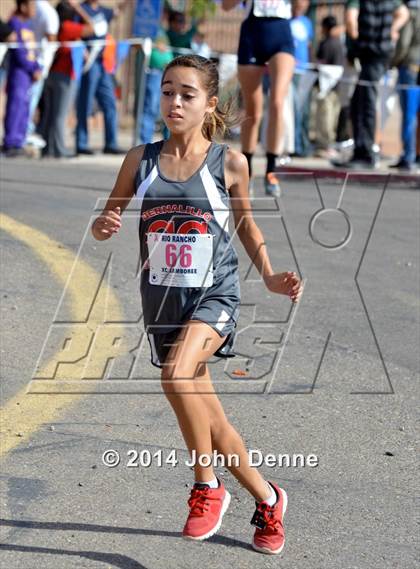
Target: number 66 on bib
<point>180,260</point>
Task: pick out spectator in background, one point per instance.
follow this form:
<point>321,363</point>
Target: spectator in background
<point>265,42</point>
<point>330,52</point>
<point>178,35</point>
<point>98,83</point>
<point>344,136</point>
<point>161,55</point>
<point>407,59</point>
<point>45,25</point>
<point>61,83</point>
<point>375,28</point>
<point>303,34</point>
<point>23,70</point>
<point>199,45</point>
<point>418,128</point>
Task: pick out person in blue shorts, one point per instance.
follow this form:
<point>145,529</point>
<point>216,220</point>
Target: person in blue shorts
<point>189,282</point>
<point>265,40</point>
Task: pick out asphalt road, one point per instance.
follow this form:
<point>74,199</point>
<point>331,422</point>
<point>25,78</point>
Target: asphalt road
<point>336,376</point>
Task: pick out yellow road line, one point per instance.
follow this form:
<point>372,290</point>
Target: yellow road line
<point>24,413</point>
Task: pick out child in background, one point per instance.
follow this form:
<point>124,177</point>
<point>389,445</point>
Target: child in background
<point>177,32</point>
<point>199,46</point>
<point>161,55</point>
<point>23,70</point>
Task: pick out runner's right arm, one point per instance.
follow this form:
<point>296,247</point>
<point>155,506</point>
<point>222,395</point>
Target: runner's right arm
<point>109,222</point>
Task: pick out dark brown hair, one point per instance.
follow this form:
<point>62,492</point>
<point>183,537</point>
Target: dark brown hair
<point>223,117</point>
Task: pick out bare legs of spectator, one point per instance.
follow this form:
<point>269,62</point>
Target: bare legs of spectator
<point>281,67</point>
<point>250,79</point>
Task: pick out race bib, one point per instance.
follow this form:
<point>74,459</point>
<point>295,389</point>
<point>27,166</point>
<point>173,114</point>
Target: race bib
<point>272,9</point>
<point>181,260</point>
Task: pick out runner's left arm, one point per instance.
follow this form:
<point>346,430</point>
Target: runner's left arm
<point>237,181</point>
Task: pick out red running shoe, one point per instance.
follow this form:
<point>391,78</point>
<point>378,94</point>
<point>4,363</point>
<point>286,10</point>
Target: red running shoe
<point>207,507</point>
<point>269,535</point>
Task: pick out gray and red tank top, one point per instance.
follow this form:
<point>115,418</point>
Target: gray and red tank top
<point>184,234</point>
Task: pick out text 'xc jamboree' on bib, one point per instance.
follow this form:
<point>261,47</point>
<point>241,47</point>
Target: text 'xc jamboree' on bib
<point>180,260</point>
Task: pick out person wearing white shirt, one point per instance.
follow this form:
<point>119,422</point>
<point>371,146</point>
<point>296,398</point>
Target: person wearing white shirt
<point>199,46</point>
<point>45,26</point>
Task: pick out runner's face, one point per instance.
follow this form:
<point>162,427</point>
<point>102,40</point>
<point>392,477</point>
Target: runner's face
<point>183,101</point>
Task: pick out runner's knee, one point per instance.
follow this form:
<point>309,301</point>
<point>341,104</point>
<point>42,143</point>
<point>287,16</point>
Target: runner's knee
<point>179,370</point>
<point>219,425</point>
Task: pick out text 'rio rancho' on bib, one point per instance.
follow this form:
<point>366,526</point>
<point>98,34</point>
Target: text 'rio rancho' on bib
<point>181,260</point>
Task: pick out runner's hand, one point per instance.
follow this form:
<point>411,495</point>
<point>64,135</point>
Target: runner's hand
<point>108,223</point>
<point>285,283</point>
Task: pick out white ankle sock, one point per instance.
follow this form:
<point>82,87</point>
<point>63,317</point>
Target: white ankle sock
<point>212,483</point>
<point>273,498</point>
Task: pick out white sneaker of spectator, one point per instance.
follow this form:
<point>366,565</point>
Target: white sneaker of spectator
<point>35,140</point>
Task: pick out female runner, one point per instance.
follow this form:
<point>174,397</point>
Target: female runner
<point>265,40</point>
<point>190,284</point>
